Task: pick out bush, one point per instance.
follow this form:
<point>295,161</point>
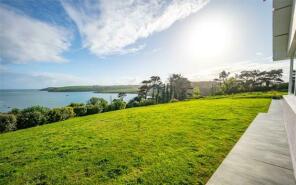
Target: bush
<point>137,102</point>
<point>147,102</point>
<point>98,101</point>
<point>80,110</point>
<point>32,116</point>
<point>117,104</point>
<point>15,111</point>
<point>94,109</point>
<point>67,112</point>
<point>133,103</point>
<point>75,104</point>
<point>60,114</point>
<point>7,122</point>
<point>54,115</point>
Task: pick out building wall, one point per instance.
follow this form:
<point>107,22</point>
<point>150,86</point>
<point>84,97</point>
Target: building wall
<point>289,105</point>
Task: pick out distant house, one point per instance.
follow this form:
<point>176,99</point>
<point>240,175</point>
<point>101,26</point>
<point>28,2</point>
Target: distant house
<point>284,47</point>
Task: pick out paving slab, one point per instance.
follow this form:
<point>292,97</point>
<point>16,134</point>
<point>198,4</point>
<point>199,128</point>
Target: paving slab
<point>261,156</point>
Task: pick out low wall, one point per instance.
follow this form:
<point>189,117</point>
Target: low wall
<point>289,105</point>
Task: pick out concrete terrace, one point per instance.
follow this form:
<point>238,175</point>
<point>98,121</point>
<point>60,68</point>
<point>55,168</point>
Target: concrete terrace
<point>261,156</point>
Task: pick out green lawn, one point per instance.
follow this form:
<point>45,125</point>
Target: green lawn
<point>177,143</point>
<point>268,94</point>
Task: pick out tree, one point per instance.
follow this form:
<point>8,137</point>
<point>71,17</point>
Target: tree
<point>272,77</point>
<point>167,93</point>
<point>93,100</point>
<point>249,79</point>
<point>276,76</point>
<point>180,87</point>
<point>230,86</point>
<point>253,80</point>
<point>183,88</point>
<point>163,95</point>
<point>144,89</point>
<point>196,92</point>
<point>121,95</point>
<point>221,82</point>
<point>172,81</point>
<point>223,75</point>
<point>155,85</point>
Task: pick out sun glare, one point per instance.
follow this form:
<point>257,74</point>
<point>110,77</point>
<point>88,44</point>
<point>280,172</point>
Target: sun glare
<point>207,39</point>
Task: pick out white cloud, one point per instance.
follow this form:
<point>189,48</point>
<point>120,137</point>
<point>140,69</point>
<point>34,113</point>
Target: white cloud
<point>110,27</point>
<point>24,39</point>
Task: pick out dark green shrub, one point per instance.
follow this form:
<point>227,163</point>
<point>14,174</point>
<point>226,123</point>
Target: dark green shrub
<point>75,104</point>
<point>94,109</point>
<point>32,116</point>
<point>133,103</point>
<point>80,110</point>
<point>98,101</point>
<point>7,122</point>
<point>283,86</point>
<point>54,115</point>
<point>137,102</point>
<point>60,114</point>
<point>67,112</point>
<point>117,104</point>
<point>15,111</point>
<point>147,102</point>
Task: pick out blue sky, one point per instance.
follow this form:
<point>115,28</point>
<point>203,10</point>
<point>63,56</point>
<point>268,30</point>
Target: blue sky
<point>74,42</point>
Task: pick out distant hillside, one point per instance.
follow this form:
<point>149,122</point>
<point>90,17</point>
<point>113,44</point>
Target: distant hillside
<point>205,87</point>
<point>95,88</point>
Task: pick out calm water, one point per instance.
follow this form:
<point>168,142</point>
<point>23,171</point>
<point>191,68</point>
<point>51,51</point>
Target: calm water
<point>25,98</point>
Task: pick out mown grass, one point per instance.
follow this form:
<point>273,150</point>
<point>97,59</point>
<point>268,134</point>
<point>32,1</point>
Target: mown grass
<point>176,143</point>
<point>268,95</point>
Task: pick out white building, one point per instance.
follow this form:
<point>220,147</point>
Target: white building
<point>284,47</point>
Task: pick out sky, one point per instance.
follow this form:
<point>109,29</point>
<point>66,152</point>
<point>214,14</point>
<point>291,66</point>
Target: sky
<point>115,42</point>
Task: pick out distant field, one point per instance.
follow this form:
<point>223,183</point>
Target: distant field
<point>176,143</point>
<point>95,88</point>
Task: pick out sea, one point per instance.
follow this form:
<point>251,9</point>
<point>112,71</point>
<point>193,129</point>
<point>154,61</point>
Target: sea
<point>30,97</point>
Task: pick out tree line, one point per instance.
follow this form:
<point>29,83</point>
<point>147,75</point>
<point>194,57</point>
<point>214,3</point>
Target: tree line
<point>249,81</point>
<point>155,91</point>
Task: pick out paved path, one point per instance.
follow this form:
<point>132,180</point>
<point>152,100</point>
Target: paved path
<point>261,156</point>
